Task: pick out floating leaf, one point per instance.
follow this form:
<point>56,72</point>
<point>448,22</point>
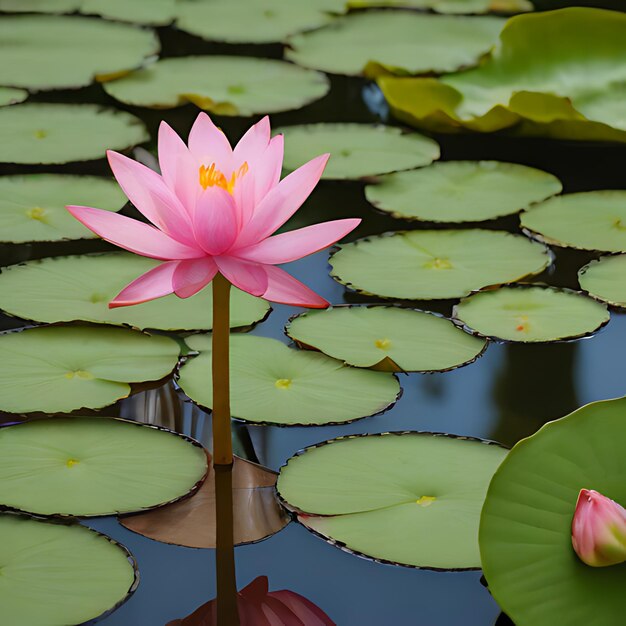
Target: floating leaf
<point>429,265</point>
<point>399,42</point>
<point>571,90</point>
<point>593,220</point>
<point>86,466</point>
<point>450,6</point>
<point>65,289</point>
<point>59,133</point>
<point>387,338</point>
<point>76,50</point>
<point>526,524</point>
<point>8,95</point>
<point>32,207</point>
<point>404,498</point>
<point>39,6</point>
<point>60,574</point>
<point>461,191</point>
<point>253,21</point>
<point>56,369</point>
<point>605,279</point>
<point>158,12</point>
<point>274,384</point>
<point>222,85</point>
<point>528,313</point>
<point>357,150</point>
<point>192,522</point>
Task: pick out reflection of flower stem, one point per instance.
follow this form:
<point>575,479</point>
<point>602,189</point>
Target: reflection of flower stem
<point>227,614</point>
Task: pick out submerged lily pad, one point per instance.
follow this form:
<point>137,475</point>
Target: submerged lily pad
<point>60,133</point>
<point>274,384</point>
<point>462,191</point>
<point>400,42</point>
<point>463,7</point>
<point>86,466</point>
<point>32,207</point>
<point>220,84</point>
<point>60,574</point>
<point>253,21</point>
<point>405,498</point>
<point>528,313</point>
<point>387,338</point>
<point>592,220</point>
<point>56,369</point>
<point>9,95</point>
<point>357,150</point>
<point>52,52</point>
<point>573,90</point>
<point>605,279</point>
<point>525,530</point>
<point>158,12</point>
<point>65,289</point>
<point>257,513</point>
<point>435,264</point>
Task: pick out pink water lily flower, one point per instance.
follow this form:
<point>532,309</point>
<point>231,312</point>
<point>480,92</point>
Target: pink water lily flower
<point>213,209</point>
<point>599,529</point>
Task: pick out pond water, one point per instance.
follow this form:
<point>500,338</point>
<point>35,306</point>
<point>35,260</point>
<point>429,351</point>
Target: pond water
<point>506,395</point>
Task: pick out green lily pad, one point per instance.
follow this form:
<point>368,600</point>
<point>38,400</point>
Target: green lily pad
<point>9,95</point>
<point>528,313</point>
<point>605,279</point>
<point>157,12</point>
<point>525,530</point>
<point>593,220</point>
<point>76,50</point>
<point>436,264</point>
<point>387,338</point>
<point>254,21</point>
<point>403,498</point>
<point>462,191</point>
<point>463,7</point>
<point>39,6</point>
<point>398,42</point>
<point>65,289</point>
<point>92,466</point>
<point>56,574</point>
<point>274,384</point>
<point>573,90</point>
<point>32,207</point>
<point>357,150</point>
<point>220,84</point>
<point>56,369</point>
<point>60,133</point>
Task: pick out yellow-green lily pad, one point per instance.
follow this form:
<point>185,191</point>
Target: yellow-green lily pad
<point>156,12</point>
<point>605,279</point>
<point>461,7</point>
<point>9,95</point>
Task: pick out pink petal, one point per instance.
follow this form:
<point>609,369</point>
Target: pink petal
<point>282,201</point>
<point>152,197</point>
<point>285,289</point>
<point>249,277</point>
<point>193,275</point>
<point>155,283</point>
<point>309,613</point>
<point>252,145</point>
<point>179,168</point>
<point>296,244</point>
<point>209,144</point>
<point>133,235</point>
<point>216,221</point>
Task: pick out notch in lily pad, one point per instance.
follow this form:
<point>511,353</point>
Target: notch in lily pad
<point>64,289</point>
<point>461,191</point>
<point>60,369</point>
<point>436,264</point>
<point>531,314</point>
<point>386,338</point>
<point>357,150</point>
<point>406,498</point>
<point>278,385</point>
<point>89,574</point>
<point>605,279</point>
<point>526,523</point>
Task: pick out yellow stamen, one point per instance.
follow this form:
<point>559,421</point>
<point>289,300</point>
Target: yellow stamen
<point>79,374</point>
<point>211,177</point>
<point>425,500</point>
<point>283,383</point>
<point>37,213</point>
<point>71,462</point>
<point>382,344</point>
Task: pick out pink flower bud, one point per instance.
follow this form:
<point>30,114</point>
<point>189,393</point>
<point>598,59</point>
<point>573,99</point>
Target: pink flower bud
<point>599,529</point>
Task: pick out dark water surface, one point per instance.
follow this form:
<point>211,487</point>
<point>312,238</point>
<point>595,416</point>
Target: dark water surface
<point>506,395</point>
